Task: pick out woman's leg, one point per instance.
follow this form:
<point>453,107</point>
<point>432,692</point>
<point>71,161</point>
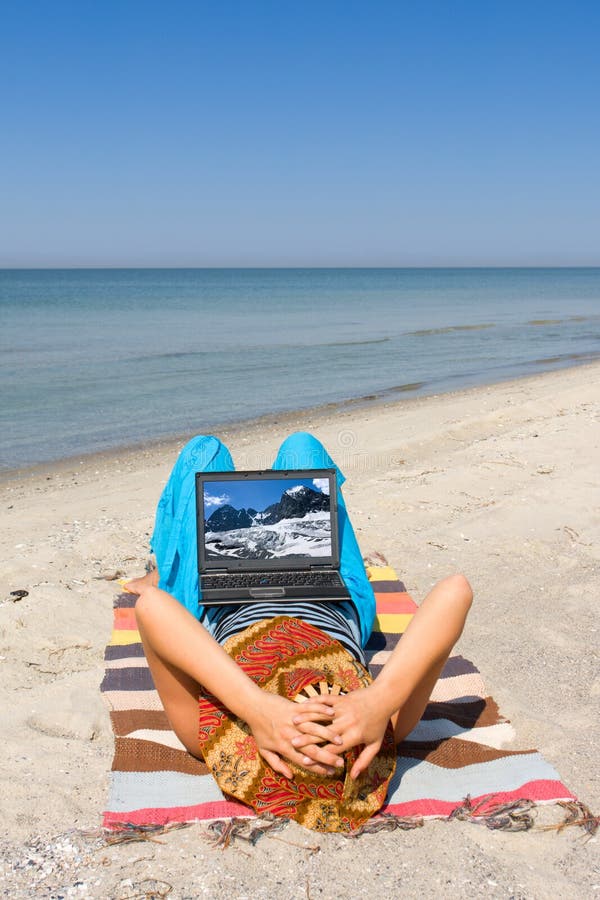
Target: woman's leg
<point>174,541</point>
<point>174,544</point>
<point>303,451</point>
<point>177,690</point>
<point>419,657</point>
<point>182,655</point>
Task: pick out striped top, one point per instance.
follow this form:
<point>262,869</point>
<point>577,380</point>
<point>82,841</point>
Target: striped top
<point>338,620</point>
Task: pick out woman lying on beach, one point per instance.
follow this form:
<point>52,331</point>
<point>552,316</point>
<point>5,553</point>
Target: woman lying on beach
<point>314,741</point>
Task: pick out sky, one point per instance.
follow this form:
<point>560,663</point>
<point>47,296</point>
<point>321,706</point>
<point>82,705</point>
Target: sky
<point>307,133</point>
<point>253,494</point>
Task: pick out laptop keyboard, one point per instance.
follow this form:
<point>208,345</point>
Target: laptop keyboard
<point>270,579</point>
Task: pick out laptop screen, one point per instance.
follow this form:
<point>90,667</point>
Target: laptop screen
<point>255,517</point>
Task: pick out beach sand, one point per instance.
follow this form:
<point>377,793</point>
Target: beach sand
<point>498,482</point>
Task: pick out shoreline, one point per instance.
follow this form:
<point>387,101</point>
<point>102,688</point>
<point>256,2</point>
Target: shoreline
<point>232,429</point>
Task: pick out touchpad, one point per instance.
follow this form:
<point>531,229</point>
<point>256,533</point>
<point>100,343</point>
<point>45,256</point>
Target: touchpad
<point>264,593</point>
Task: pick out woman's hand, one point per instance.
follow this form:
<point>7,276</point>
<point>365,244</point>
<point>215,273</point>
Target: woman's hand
<point>360,717</point>
<point>268,715</point>
<point>271,723</point>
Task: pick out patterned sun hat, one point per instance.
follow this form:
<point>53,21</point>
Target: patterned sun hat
<point>294,659</point>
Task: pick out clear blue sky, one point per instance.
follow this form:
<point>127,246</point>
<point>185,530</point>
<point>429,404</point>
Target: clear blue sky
<point>256,494</point>
<point>299,133</point>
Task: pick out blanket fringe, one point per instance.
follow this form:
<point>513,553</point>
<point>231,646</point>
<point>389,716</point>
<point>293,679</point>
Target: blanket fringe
<point>386,822</point>
<point>518,815</point>
<point>223,832</point>
<point>513,816</point>
<point>129,833</point>
<point>577,814</point>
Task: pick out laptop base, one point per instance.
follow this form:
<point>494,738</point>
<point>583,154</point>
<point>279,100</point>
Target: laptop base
<point>216,597</point>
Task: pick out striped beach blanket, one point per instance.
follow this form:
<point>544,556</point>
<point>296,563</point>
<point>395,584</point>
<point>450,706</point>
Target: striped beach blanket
<point>457,750</point>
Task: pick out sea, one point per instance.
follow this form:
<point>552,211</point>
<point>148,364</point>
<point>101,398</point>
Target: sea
<point>96,359</point>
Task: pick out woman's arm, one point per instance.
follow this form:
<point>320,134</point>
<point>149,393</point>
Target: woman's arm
<point>403,687</point>
<point>181,642</point>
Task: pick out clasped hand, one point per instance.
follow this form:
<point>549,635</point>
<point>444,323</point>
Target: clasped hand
<point>358,718</point>
<point>276,733</point>
<point>315,733</point>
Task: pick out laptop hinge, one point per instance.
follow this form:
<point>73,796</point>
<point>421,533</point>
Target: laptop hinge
<point>215,572</point>
<point>320,568</point>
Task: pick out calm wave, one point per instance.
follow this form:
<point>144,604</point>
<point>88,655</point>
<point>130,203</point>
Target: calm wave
<point>95,359</point>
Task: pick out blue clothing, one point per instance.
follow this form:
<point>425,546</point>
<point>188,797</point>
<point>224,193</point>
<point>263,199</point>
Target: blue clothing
<point>174,540</point>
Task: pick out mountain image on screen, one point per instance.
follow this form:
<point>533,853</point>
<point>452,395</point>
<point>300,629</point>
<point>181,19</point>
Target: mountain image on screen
<point>297,525</point>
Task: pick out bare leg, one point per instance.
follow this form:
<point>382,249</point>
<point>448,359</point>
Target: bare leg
<point>178,691</point>
<point>420,656</point>
<point>182,655</point>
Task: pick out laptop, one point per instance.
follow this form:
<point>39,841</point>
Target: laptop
<point>269,535</point>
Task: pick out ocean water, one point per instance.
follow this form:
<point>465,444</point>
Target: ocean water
<point>98,358</point>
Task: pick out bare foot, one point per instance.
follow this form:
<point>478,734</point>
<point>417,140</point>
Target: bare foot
<point>137,585</point>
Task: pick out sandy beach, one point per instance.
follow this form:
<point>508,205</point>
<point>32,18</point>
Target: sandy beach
<point>498,482</point>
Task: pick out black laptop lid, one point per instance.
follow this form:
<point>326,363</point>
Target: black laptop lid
<point>268,520</point>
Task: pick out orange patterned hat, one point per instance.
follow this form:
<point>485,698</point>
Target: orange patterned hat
<point>295,660</point>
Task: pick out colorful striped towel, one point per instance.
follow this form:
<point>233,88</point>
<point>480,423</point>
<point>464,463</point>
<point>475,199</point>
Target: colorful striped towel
<point>455,751</point>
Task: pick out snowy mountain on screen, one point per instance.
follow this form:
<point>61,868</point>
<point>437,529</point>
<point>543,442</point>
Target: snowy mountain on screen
<point>295,503</point>
<point>227,517</point>
<point>298,524</point>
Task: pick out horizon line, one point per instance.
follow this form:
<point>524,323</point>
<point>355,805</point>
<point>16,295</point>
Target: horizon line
<point>56,268</point>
